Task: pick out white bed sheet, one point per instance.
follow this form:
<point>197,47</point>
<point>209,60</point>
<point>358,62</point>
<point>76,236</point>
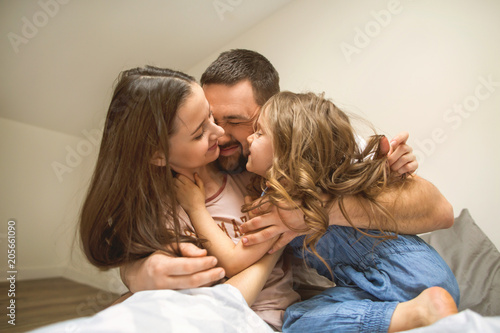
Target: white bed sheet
<point>466,321</point>
<point>217,309</point>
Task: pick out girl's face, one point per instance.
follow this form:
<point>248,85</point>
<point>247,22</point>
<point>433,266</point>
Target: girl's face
<point>194,143</point>
<point>261,149</point>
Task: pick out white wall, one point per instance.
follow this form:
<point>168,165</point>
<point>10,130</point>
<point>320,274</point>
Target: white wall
<point>44,175</point>
<point>41,205</point>
<point>65,54</point>
<point>411,66</point>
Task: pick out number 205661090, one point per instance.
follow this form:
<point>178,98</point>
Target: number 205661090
<point>11,239</point>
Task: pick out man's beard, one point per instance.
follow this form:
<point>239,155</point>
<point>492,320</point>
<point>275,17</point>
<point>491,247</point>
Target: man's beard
<point>235,163</point>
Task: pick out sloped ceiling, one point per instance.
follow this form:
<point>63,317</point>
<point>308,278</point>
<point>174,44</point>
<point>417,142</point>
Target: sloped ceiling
<point>59,58</point>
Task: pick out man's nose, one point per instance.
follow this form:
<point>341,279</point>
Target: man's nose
<point>225,139</point>
<point>217,131</point>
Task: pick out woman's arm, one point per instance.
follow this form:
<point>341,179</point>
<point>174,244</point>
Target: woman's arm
<point>233,258</point>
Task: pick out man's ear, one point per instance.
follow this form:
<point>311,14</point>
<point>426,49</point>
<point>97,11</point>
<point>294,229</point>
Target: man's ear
<point>158,159</point>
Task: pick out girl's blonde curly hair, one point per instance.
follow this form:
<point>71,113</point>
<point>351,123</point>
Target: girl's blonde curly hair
<point>318,163</point>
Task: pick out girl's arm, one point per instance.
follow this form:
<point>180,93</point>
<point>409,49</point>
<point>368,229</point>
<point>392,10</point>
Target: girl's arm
<point>251,280</point>
<point>233,258</point>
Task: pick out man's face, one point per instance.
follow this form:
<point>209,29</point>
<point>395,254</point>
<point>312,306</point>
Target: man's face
<point>234,109</point>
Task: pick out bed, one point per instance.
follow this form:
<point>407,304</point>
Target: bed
<point>471,255</point>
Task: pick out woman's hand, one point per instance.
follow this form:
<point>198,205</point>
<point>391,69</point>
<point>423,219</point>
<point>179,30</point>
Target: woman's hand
<point>190,195</point>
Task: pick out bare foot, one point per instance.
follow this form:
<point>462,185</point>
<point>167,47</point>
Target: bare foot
<point>431,305</point>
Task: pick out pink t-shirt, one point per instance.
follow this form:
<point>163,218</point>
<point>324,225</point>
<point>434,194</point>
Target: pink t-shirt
<point>225,208</point>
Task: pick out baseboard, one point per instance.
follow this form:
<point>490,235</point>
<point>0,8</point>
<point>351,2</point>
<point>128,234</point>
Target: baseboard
<point>35,273</point>
<point>108,281</point>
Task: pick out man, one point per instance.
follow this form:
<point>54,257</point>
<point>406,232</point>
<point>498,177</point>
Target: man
<point>236,85</point>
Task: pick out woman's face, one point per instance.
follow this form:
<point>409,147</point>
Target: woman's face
<point>261,149</point>
<point>194,143</point>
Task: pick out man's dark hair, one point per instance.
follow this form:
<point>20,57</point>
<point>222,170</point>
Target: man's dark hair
<point>237,65</point>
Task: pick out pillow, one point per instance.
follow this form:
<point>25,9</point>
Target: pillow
<point>474,260</point>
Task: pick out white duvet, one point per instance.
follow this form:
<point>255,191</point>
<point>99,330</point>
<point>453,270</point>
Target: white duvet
<point>216,309</point>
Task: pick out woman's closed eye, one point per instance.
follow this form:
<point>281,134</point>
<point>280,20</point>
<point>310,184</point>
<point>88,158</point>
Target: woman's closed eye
<point>204,127</point>
<point>199,137</point>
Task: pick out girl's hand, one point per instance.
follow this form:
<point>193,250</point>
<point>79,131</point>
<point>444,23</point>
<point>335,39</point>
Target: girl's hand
<point>401,157</point>
<point>190,195</point>
<point>267,222</point>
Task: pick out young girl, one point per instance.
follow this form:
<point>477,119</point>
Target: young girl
<point>306,150</point>
<point>158,124</point>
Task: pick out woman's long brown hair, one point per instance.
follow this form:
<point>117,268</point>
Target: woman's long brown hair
<point>130,200</point>
<point>316,153</point>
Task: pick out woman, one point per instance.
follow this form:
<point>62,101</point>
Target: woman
<point>159,124</point>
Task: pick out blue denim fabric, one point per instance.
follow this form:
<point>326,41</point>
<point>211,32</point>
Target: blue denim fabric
<point>372,277</point>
